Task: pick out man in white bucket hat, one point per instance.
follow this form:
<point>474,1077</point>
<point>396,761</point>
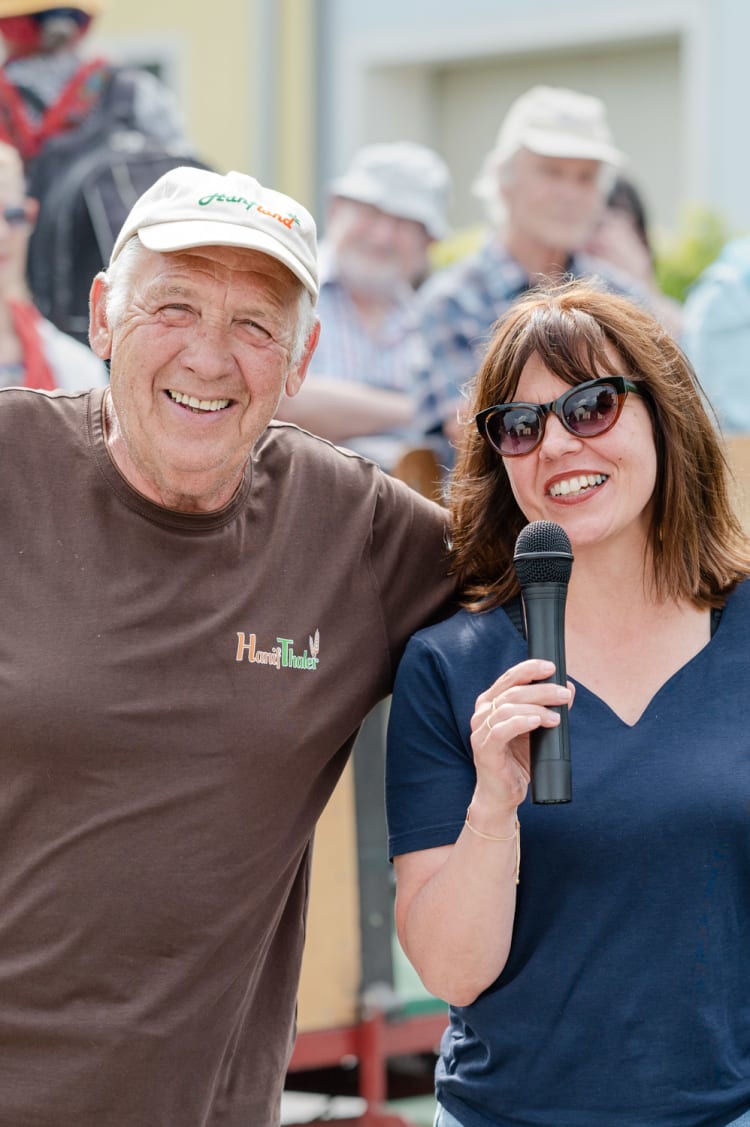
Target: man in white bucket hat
<point>200,607</point>
<point>543,185</point>
<point>384,213</point>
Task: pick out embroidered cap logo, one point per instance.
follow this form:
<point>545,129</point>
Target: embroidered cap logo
<point>288,220</point>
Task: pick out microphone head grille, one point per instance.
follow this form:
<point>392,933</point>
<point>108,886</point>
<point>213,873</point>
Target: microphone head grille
<point>542,554</point>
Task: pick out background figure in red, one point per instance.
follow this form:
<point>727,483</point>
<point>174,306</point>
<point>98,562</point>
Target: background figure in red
<point>33,353</point>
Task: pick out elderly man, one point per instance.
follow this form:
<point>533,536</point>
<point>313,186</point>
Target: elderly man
<point>200,607</point>
<point>383,214</point>
<point>544,185</point>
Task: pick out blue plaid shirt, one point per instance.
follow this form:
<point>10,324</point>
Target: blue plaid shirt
<point>459,307</point>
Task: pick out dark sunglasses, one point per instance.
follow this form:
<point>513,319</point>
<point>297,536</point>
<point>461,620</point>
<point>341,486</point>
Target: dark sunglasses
<point>14,216</point>
<point>588,409</point>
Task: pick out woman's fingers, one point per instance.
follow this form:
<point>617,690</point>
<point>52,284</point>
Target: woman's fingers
<point>524,684</point>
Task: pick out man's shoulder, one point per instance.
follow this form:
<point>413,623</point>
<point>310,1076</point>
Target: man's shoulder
<point>451,281</point>
<point>43,404</point>
<point>34,423</point>
<point>316,464</point>
<point>338,476</point>
<point>482,282</point>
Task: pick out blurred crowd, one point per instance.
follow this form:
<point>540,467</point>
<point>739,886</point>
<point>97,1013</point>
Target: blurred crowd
<point>399,342</point>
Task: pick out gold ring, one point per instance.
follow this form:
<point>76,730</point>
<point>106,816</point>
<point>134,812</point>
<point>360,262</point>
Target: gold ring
<point>487,721</point>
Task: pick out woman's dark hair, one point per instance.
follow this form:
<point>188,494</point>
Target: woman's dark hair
<point>624,196</point>
<point>579,332</point>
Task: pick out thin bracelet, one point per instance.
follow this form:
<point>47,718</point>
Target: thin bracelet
<point>492,837</point>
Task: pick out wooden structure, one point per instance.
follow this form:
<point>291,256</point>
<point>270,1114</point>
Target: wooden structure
<point>738,455</point>
<point>352,1025</point>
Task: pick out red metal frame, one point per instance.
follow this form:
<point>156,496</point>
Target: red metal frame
<point>371,1042</point>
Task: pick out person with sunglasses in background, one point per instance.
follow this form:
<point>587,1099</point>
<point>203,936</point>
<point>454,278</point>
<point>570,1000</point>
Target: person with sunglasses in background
<point>33,352</point>
<point>594,953</point>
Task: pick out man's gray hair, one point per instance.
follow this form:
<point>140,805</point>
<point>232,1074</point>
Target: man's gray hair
<point>120,277</point>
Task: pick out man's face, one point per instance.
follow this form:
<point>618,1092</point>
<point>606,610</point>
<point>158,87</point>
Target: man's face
<point>376,252</point>
<point>200,356</point>
<point>552,201</point>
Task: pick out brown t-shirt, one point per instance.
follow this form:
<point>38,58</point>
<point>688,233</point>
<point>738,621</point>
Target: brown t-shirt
<point>178,696</point>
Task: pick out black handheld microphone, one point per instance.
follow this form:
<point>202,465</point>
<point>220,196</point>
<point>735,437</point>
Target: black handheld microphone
<point>543,560</point>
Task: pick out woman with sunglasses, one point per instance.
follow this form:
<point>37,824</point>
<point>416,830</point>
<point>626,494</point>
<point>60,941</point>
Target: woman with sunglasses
<point>606,982</point>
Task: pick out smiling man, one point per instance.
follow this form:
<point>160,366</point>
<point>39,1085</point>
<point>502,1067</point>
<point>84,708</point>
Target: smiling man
<point>201,606</point>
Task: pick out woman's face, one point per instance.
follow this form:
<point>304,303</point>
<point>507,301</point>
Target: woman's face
<point>598,489</point>
<point>14,231</point>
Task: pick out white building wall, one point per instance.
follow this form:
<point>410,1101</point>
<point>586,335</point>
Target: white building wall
<point>674,74</point>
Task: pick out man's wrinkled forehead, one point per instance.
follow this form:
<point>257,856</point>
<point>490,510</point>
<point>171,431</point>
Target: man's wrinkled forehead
<point>245,279</point>
<point>236,266</point>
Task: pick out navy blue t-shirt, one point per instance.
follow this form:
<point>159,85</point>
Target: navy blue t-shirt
<point>626,996</point>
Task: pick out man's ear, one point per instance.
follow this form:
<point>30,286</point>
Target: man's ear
<point>100,333</point>
<point>296,375</point>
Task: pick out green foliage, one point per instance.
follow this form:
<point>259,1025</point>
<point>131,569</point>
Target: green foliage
<point>681,256</point>
<point>457,245</point>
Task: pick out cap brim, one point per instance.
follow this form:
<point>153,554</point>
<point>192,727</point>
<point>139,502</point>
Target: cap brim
<point>184,234</point>
<point>569,145</point>
<point>362,190</point>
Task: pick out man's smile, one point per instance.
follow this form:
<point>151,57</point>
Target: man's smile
<point>195,404</point>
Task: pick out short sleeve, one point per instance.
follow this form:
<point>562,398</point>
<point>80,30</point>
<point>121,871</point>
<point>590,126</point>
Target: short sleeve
<point>410,561</point>
<point>430,774</point>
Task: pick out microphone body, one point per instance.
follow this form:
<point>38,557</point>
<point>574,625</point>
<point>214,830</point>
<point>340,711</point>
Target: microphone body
<point>543,562</point>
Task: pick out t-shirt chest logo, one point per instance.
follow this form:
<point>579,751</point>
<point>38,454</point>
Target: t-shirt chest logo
<point>283,654</point>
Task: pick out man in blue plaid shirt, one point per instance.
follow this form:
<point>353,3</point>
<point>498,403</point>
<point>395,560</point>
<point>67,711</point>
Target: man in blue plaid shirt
<point>544,186</point>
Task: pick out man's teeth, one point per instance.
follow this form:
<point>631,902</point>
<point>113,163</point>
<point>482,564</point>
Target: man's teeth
<point>198,404</point>
<point>573,485</point>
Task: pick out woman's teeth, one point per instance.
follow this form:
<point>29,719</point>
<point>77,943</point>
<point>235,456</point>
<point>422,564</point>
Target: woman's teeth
<point>573,485</point>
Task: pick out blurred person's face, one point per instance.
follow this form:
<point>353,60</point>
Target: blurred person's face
<point>376,252</point>
<point>17,214</point>
<point>554,202</point>
<point>616,239</point>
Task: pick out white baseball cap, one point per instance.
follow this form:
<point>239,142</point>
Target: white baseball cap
<point>553,122</point>
<point>403,179</point>
<point>193,207</point>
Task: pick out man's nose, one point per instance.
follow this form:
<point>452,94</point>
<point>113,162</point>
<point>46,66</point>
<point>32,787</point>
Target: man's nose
<point>384,227</point>
<point>208,351</point>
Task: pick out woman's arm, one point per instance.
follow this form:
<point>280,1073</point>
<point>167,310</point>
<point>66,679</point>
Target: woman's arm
<point>455,904</point>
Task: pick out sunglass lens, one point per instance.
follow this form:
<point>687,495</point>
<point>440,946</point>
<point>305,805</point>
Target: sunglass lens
<point>514,430</point>
<point>591,410</point>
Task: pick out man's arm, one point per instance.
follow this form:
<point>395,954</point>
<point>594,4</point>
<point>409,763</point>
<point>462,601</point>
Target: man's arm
<point>337,410</point>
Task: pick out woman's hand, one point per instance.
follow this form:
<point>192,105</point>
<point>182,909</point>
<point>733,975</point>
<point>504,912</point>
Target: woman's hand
<point>517,703</point>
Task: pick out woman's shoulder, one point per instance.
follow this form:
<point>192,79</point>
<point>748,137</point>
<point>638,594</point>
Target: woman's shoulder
<point>468,633</point>
<point>737,605</point>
